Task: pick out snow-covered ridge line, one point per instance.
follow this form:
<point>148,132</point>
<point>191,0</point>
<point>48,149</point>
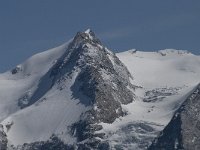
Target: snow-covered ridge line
<point>174,51</point>
<point>164,52</point>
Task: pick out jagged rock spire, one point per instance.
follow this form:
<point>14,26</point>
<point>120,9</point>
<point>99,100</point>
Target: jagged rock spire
<point>86,37</point>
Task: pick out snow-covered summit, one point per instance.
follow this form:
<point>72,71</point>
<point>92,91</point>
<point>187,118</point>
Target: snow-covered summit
<point>87,36</point>
<point>67,89</point>
<point>90,32</point>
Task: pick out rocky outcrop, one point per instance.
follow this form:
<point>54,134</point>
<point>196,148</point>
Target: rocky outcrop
<point>183,131</point>
<point>3,139</point>
<point>104,80</point>
<point>54,143</point>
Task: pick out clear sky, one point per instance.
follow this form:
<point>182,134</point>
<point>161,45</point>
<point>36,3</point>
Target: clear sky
<point>30,26</point>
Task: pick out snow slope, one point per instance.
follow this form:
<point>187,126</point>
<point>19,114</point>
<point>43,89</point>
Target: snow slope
<point>53,113</point>
<point>39,121</point>
<point>13,87</point>
<point>163,68</point>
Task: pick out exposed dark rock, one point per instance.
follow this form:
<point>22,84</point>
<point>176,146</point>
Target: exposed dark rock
<point>54,143</point>
<point>134,135</point>
<point>105,95</point>
<point>183,131</point>
<point>3,139</point>
<point>16,70</point>
<point>94,144</point>
<point>159,94</point>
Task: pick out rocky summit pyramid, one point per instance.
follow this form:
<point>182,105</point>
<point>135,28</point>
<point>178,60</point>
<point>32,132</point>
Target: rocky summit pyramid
<point>88,79</point>
<point>82,96</point>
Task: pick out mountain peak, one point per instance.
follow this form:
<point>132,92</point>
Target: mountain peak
<point>86,37</point>
<point>81,95</point>
<point>96,78</point>
<point>89,31</point>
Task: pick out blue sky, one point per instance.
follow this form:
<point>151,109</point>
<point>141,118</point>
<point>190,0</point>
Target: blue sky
<point>30,26</point>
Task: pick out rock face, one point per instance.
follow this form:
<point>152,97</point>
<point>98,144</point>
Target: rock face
<point>3,139</point>
<point>53,143</point>
<point>183,131</point>
<point>102,83</point>
<point>103,79</point>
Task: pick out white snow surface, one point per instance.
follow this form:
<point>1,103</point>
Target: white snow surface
<point>52,114</point>
<point>12,87</point>
<point>164,71</point>
<point>152,70</point>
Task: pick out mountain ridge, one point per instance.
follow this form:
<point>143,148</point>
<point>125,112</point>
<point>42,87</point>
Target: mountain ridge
<point>86,71</point>
<point>83,96</point>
